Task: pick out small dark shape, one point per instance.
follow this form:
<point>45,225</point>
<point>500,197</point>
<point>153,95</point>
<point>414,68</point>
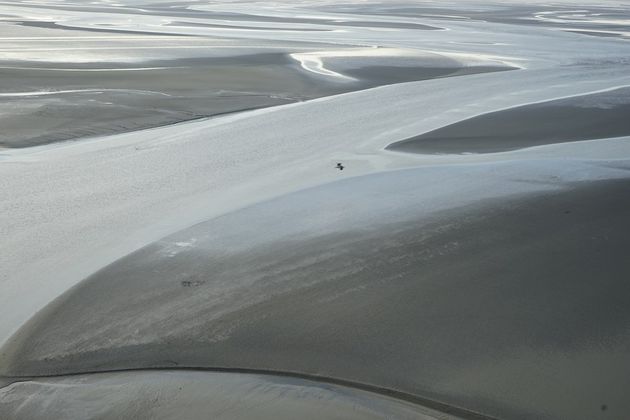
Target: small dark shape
<point>192,283</point>
<point>604,407</point>
<point>567,211</point>
<point>339,166</point>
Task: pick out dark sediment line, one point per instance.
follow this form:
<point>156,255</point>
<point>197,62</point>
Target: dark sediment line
<point>55,25</point>
<point>598,34</point>
<point>256,28</point>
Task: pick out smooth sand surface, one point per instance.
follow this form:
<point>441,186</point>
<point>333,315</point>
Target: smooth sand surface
<point>54,25</point>
<point>540,14</point>
<point>335,21</point>
<point>158,77</point>
<point>35,122</point>
<point>191,395</point>
<point>113,97</point>
<point>492,306</point>
<point>393,74</point>
<point>603,34</point>
<point>588,117</point>
<point>491,282</point>
<point>235,26</point>
<point>352,23</point>
<point>170,92</point>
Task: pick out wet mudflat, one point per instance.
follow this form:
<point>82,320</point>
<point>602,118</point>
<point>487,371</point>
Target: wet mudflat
<point>164,394</point>
<point>228,264</point>
<point>589,117</point>
<point>420,305</point>
<point>67,82</point>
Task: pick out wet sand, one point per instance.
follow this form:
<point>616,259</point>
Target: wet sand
<point>602,34</point>
<point>591,17</point>
<point>106,102</point>
<point>492,306</point>
<point>186,394</point>
<point>125,89</point>
<point>589,117</point>
<point>55,25</point>
<point>180,11</point>
<point>488,285</point>
<point>400,74</point>
<point>263,19</point>
<point>120,97</point>
<point>242,17</point>
<point>167,92</point>
<point>137,79</point>
<point>251,28</point>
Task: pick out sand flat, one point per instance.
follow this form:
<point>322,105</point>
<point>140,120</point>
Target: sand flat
<point>133,80</point>
<point>490,282</point>
<point>587,117</point>
<point>420,300</point>
<point>164,394</point>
